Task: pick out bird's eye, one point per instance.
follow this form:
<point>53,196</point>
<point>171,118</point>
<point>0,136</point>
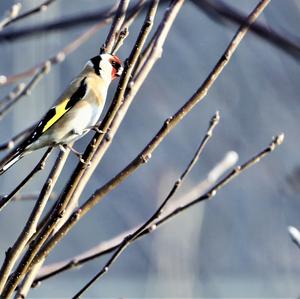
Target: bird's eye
<point>115,64</point>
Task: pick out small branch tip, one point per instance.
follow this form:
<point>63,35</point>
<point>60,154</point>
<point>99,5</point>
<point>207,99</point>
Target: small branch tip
<point>279,139</point>
<point>3,79</point>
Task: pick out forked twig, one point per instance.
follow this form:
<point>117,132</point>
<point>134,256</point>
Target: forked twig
<point>153,222</point>
<point>32,258</point>
<point>129,238</point>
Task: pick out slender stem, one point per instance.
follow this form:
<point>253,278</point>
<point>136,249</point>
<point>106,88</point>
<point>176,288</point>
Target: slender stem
<point>146,153</point>
<point>40,8</point>
<point>17,138</point>
<point>40,166</point>
<point>115,27</point>
<point>148,228</point>
<point>30,227</point>
<point>59,56</point>
<point>11,15</point>
<point>131,237</point>
<point>110,245</point>
<point>62,203</point>
<point>26,90</point>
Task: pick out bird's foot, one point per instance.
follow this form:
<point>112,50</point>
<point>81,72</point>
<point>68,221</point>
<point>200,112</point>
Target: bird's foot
<point>76,153</point>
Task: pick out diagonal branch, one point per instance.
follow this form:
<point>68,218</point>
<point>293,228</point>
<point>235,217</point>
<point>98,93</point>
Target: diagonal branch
<point>30,227</point>
<point>110,245</point>
<point>59,210</point>
<point>11,15</point>
<point>148,228</point>
<point>145,154</point>
<point>26,89</point>
<point>229,13</point>
<point>131,237</point>
<point>40,166</point>
<point>16,139</point>
<point>115,27</point>
<point>40,8</point>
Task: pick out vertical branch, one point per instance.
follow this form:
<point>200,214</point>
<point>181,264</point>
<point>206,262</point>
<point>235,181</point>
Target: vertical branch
<point>30,227</point>
<point>115,27</point>
<point>146,153</point>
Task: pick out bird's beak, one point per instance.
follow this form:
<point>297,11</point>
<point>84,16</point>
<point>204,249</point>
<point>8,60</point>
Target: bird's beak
<point>120,71</point>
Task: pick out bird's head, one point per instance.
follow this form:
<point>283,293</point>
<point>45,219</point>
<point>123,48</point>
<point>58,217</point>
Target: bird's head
<point>107,66</point>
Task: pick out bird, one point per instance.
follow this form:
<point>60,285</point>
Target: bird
<point>76,112</point>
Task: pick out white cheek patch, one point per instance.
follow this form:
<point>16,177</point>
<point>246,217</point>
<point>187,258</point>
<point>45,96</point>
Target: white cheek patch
<point>105,70</point>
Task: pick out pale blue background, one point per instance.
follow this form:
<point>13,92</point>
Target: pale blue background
<point>233,246</point>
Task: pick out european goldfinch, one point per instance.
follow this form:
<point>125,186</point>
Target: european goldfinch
<point>77,110</point>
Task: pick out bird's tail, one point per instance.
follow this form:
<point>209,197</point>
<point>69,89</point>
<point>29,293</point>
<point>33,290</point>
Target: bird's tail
<point>10,160</point>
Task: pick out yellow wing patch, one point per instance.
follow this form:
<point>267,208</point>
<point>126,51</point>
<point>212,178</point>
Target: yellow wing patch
<point>60,110</point>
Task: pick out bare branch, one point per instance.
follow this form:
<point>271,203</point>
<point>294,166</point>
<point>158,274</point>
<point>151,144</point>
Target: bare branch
<point>16,139</point>
<point>58,57</point>
<point>40,166</point>
<point>30,227</point>
<point>123,34</point>
<point>31,196</point>
<point>115,27</point>
<point>61,205</point>
<point>288,44</point>
<point>11,15</point>
<point>14,93</point>
<point>295,235</point>
<point>40,8</point>
<point>220,8</point>
<point>26,90</point>
<point>81,175</point>
<point>130,238</point>
<point>29,258</point>
<point>148,228</point>
<point>108,246</point>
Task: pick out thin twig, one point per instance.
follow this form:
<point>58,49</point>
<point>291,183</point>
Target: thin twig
<point>108,246</point>
<point>65,23</point>
<point>11,15</point>
<point>141,158</point>
<point>149,226</point>
<point>123,34</point>
<point>45,233</point>
<point>77,177</point>
<point>26,90</point>
<point>40,166</point>
<point>25,286</point>
<point>131,237</point>
<point>59,56</point>
<point>40,8</point>
<point>115,27</point>
<point>289,45</point>
<point>295,235</point>
<point>14,93</point>
<point>30,227</point>
<point>81,175</point>
<point>212,8</point>
<point>31,197</point>
<point>17,138</point>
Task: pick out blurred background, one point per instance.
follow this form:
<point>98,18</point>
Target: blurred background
<point>235,245</point>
